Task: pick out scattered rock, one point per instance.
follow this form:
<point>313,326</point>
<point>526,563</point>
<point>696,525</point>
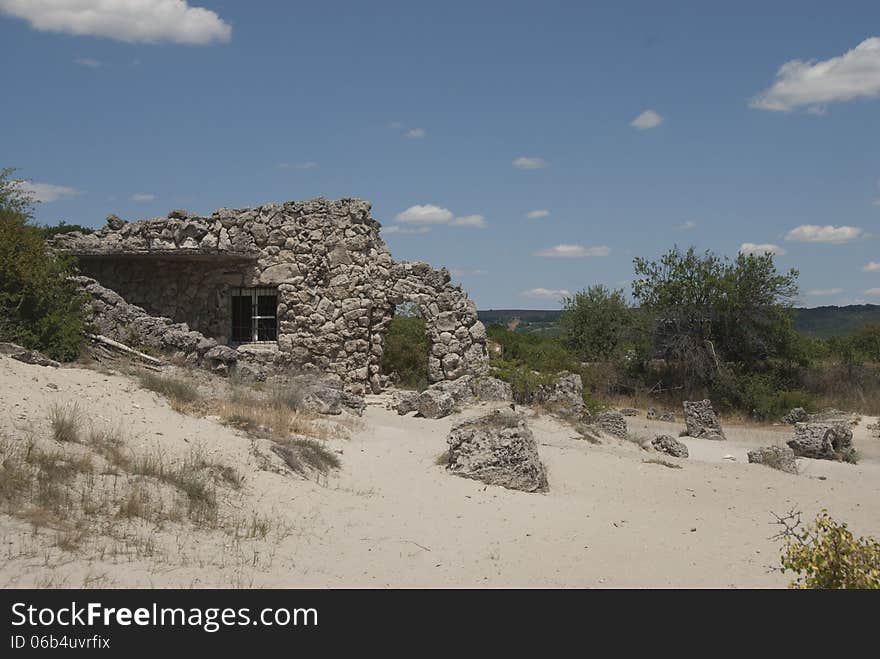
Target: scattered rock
<point>22,354</point>
<point>489,388</point>
<point>115,223</point>
<point>629,411</point>
<point>796,415</point>
<point>325,396</point>
<point>823,441</point>
<point>777,457</point>
<point>652,413</point>
<point>433,404</point>
<point>700,420</point>
<point>670,446</point>
<point>611,422</point>
<point>668,417</point>
<point>497,449</point>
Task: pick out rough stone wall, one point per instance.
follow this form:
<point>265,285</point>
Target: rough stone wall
<point>191,292</point>
<point>337,283</point>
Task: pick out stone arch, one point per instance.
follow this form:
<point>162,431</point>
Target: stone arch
<point>456,338</point>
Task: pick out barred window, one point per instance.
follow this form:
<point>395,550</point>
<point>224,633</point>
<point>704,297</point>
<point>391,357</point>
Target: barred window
<point>254,315</point>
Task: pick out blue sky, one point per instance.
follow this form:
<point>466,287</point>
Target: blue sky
<point>623,127</point>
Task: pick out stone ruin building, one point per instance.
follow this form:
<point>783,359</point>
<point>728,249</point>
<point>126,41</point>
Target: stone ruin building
<point>295,286</point>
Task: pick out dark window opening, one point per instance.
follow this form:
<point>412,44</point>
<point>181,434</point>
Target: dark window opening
<point>254,315</point>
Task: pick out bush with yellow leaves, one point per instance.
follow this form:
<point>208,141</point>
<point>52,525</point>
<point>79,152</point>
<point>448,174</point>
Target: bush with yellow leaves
<point>825,554</point>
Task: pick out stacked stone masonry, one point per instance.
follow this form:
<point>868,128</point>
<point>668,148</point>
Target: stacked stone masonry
<point>337,285</point>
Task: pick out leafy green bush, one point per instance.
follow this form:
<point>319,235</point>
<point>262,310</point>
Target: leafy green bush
<point>524,381</point>
<point>406,350</point>
<point>825,554</point>
<point>762,395</point>
<point>39,306</point>
<point>540,353</point>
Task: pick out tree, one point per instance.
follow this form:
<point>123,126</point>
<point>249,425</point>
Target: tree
<point>406,348</point>
<point>710,309</point>
<point>598,324</point>
<point>39,306</point>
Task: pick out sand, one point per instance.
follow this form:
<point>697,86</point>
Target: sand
<point>392,517</point>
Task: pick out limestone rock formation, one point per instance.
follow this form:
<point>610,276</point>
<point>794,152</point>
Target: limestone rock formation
<point>497,449</point>
<point>611,422</point>
<point>652,413</point>
<point>563,396</point>
<point>324,395</point>
<point>796,415</point>
<point>777,457</point>
<point>22,354</point>
<point>700,420</point>
<point>823,441</point>
<point>440,398</point>
<point>669,445</point>
<point>435,404</point>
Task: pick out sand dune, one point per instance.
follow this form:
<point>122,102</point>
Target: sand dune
<point>392,517</point>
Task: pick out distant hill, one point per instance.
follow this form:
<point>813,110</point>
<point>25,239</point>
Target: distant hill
<point>820,322</point>
<point>824,322</point>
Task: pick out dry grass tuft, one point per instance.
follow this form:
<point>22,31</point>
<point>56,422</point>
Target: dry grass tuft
<point>180,393</point>
<point>65,421</point>
<point>301,455</point>
<point>660,461</point>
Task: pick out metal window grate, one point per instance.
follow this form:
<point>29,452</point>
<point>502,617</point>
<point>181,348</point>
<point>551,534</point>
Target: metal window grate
<point>254,315</point>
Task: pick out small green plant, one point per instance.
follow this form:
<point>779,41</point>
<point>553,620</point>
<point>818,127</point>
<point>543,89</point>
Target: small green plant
<point>825,554</point>
<point>406,349</point>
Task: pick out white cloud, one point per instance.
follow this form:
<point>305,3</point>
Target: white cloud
<point>872,266</point>
<point>855,74</point>
<point>149,21</point>
<point>429,214</point>
<point>873,292</point>
<point>46,192</point>
<point>416,133</point>
<point>143,196</point>
<point>425,214</point>
<point>473,221</point>
<point>553,293</point>
<point>761,248</point>
<point>538,214</point>
<point>825,291</point>
<point>647,119</point>
<point>573,251</point>
<point>813,233</point>
<point>526,162</point>
<point>87,62</point>
<point>687,226</point>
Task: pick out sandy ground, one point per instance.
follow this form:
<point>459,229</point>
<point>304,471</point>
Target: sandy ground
<point>392,517</point>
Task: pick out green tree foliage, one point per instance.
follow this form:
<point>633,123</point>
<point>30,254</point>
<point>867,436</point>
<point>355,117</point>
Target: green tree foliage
<point>406,349</point>
<point>599,325</point>
<point>825,554</point>
<point>50,231</point>
<point>39,306</point>
<point>710,309</point>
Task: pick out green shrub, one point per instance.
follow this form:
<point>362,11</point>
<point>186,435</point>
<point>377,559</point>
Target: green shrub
<point>762,395</point>
<point>524,381</point>
<point>540,353</point>
<point>406,350</point>
<point>825,554</point>
<point>39,306</point>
